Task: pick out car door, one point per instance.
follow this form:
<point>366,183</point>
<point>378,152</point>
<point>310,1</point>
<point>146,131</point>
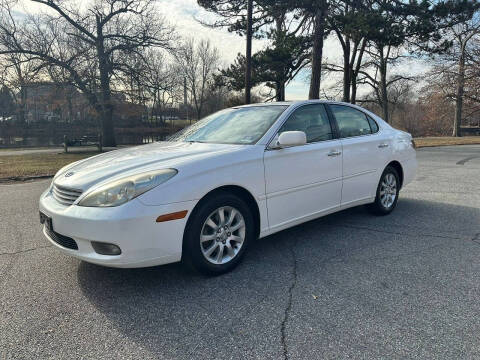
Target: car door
<point>304,180</point>
<point>365,152</point>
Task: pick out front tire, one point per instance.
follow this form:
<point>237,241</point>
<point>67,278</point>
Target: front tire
<point>218,234</point>
<point>387,192</point>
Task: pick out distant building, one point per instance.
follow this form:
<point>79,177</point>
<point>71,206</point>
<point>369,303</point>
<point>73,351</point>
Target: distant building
<point>63,103</point>
<point>48,101</point>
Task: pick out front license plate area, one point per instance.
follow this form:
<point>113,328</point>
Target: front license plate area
<point>47,221</point>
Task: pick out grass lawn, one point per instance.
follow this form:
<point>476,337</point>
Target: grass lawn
<point>42,164</point>
<point>446,140</point>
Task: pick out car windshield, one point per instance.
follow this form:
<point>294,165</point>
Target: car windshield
<point>244,125</point>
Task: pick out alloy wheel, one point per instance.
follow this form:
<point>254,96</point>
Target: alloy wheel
<point>222,235</point>
<point>388,190</point>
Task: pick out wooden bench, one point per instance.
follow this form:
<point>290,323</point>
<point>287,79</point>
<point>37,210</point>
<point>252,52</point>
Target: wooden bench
<point>85,140</point>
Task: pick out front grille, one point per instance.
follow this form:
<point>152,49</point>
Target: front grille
<point>65,196</point>
<point>62,240</point>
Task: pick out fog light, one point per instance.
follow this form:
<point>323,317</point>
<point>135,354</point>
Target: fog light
<point>105,248</point>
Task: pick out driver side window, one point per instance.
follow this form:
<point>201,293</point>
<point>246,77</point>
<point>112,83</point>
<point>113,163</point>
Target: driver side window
<point>312,120</point>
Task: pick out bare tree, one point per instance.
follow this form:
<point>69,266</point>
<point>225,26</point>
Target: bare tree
<point>472,82</point>
<point>376,76</point>
<point>463,34</point>
<point>456,71</point>
<point>162,83</point>
<point>17,73</point>
<point>87,44</point>
<point>7,103</point>
<point>438,109</point>
<point>198,63</point>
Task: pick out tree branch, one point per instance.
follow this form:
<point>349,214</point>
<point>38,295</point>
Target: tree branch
<point>63,14</point>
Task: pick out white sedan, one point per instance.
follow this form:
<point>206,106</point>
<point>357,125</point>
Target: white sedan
<point>237,175</point>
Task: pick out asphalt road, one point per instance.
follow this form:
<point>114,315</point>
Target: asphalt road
<point>349,285</point>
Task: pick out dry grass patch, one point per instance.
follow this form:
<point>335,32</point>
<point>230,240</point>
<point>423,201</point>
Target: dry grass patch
<point>42,164</point>
<point>447,140</point>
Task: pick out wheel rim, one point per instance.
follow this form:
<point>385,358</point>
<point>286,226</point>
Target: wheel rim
<point>222,235</point>
<point>388,190</point>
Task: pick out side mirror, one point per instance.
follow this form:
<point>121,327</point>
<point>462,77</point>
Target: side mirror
<point>291,138</point>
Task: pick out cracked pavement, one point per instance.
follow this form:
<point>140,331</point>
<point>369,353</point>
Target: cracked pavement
<point>349,285</point>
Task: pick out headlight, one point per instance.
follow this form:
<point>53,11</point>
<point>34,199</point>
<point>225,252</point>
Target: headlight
<point>120,191</point>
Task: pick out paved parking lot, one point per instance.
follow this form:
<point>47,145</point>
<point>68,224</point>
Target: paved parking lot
<point>349,285</point>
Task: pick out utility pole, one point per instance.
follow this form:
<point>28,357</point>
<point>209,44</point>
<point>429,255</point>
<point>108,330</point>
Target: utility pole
<point>248,67</point>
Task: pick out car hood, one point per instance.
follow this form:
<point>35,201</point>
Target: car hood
<point>118,163</point>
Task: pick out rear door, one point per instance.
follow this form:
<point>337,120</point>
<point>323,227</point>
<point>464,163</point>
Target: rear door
<point>365,152</point>
<point>305,180</point>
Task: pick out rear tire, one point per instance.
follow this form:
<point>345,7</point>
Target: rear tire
<point>387,192</point>
<point>217,234</point>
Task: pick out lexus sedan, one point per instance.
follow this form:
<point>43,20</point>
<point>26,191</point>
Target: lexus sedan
<point>215,187</point>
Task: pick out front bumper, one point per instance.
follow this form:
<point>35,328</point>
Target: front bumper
<point>131,226</point>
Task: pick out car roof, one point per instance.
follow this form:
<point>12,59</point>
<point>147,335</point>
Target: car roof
<point>296,102</point>
<point>273,103</point>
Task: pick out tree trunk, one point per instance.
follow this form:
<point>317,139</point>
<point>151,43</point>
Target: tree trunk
<point>355,71</point>
<point>108,136</point>
<point>248,66</point>
<point>280,84</point>
<point>353,96</point>
<point>106,116</point>
<point>346,71</point>
<point>319,25</point>
<point>280,91</point>
<point>70,107</point>
<point>23,104</point>
<point>459,96</point>
<point>106,106</point>
<point>383,87</point>
<point>198,108</point>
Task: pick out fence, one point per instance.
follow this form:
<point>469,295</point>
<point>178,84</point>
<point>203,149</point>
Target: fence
<point>39,135</point>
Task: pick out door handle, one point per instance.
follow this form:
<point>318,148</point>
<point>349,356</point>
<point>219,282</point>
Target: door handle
<point>334,153</point>
<point>383,145</point>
